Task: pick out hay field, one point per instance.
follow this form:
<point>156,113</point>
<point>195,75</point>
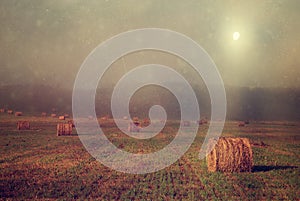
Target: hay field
<point>37,164</point>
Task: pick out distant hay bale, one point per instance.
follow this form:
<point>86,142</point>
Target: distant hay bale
<point>23,125</point>
<point>17,114</point>
<point>134,127</point>
<point>247,122</point>
<point>71,122</point>
<point>64,129</point>
<point>146,122</point>
<point>241,124</point>
<point>202,121</point>
<point>10,112</point>
<point>53,115</point>
<point>2,110</point>
<point>186,123</point>
<point>66,115</point>
<point>103,118</point>
<point>61,118</point>
<point>230,155</point>
<point>43,114</point>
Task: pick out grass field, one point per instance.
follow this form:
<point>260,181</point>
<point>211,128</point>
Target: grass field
<point>36,164</point>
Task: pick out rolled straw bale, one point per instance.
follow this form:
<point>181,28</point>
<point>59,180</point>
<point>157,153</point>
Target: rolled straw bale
<point>10,112</point>
<point>64,129</point>
<point>229,155</point>
<point>186,123</point>
<point>61,117</point>
<point>241,124</point>
<point>66,115</point>
<point>17,114</point>
<point>23,125</point>
<point>53,115</point>
<point>71,122</point>
<point>146,122</point>
<point>134,127</point>
<point>43,114</point>
<point>202,121</point>
<point>2,110</point>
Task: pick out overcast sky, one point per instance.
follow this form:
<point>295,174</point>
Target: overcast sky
<point>47,41</point>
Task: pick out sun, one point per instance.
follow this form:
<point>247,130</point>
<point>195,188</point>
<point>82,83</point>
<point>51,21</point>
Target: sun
<point>236,35</point>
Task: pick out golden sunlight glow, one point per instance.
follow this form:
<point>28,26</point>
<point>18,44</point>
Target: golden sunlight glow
<point>236,36</point>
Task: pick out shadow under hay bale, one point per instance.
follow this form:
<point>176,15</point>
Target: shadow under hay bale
<point>230,155</point>
<point>264,168</point>
<point>23,125</point>
<point>18,114</point>
<point>64,129</point>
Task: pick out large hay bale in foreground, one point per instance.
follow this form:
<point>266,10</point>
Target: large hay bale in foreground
<point>23,125</point>
<point>230,155</point>
<point>64,129</point>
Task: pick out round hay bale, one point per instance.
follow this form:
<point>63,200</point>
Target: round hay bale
<point>61,118</point>
<point>23,125</point>
<point>133,127</point>
<point>203,121</point>
<point>17,114</point>
<point>229,155</point>
<point>186,123</point>
<point>241,124</point>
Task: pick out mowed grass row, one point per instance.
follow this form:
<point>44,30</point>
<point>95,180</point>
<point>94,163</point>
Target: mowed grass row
<point>38,164</point>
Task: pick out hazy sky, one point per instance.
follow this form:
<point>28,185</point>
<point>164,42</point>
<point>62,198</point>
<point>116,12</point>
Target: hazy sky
<point>47,41</point>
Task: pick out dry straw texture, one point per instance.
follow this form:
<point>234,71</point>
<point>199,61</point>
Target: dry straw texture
<point>230,155</point>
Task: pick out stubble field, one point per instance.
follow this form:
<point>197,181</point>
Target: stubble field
<point>37,164</point>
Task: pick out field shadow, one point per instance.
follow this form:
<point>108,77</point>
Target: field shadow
<point>265,168</point>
